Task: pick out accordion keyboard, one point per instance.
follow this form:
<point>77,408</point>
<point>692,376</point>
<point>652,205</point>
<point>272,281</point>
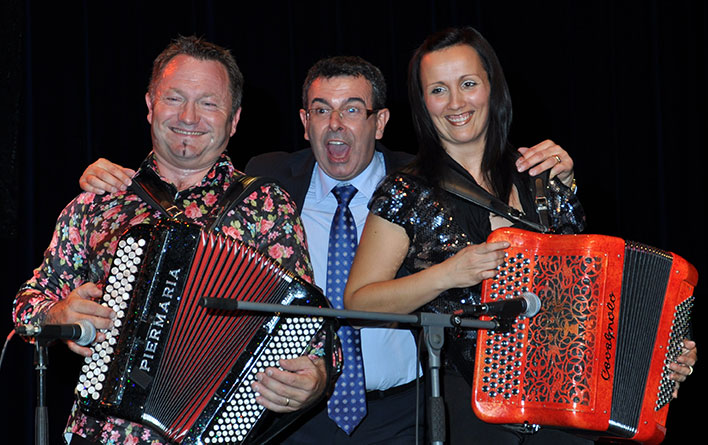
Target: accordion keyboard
<point>116,294</point>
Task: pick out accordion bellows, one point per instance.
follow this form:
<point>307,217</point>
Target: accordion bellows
<point>181,369</point>
<point>595,358</point>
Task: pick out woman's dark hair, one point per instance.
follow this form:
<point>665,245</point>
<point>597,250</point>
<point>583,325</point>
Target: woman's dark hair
<point>498,158</point>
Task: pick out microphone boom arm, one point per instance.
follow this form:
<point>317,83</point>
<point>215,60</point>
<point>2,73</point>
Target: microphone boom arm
<point>417,319</point>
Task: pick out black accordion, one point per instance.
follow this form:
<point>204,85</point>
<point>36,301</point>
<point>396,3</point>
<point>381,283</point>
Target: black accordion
<point>179,368</point>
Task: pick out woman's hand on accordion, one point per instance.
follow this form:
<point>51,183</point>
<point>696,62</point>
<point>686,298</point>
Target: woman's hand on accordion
<point>473,264</point>
<point>301,381</point>
<point>684,364</point>
<point>81,304</point>
<point>372,284</point>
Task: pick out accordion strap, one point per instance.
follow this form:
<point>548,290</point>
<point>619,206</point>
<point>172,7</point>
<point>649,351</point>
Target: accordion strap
<point>453,182</point>
<point>236,193</point>
<point>540,187</point>
<point>155,192</point>
<point>159,195</point>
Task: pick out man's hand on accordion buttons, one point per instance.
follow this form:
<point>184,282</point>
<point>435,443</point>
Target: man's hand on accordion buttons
<point>301,381</point>
<point>685,363</point>
<point>81,305</point>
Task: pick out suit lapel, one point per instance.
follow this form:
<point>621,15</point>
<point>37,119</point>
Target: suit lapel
<point>300,176</point>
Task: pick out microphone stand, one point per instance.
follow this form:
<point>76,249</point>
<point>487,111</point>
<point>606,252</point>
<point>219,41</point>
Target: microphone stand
<point>41,420</point>
<point>433,329</point>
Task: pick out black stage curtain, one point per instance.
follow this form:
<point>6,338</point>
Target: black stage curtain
<point>621,85</point>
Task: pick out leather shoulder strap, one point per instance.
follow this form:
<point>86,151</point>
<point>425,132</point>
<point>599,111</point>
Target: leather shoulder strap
<point>453,182</point>
<point>151,189</point>
<point>540,188</point>
<point>235,194</point>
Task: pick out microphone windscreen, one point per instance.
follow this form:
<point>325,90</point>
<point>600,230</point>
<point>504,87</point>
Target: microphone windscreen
<point>88,333</point>
<point>533,304</point>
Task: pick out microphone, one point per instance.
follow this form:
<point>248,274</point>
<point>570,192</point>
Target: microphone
<point>83,332</point>
<point>527,305</point>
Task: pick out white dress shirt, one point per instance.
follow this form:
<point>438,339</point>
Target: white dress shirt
<point>389,354</point>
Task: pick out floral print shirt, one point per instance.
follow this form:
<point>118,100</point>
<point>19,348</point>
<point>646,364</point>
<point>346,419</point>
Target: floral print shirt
<point>86,236</point>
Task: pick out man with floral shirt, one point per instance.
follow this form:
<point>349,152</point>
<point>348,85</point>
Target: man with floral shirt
<point>193,107</point>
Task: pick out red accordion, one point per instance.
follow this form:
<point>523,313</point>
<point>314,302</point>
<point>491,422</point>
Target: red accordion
<point>171,364</point>
<point>595,358</point>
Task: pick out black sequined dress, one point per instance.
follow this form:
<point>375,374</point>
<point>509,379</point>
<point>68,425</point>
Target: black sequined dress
<point>439,225</point>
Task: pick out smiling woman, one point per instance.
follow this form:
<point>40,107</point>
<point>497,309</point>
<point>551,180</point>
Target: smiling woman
<point>456,91</point>
<point>462,112</point>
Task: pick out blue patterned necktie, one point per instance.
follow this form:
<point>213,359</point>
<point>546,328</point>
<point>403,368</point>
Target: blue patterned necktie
<point>347,406</point>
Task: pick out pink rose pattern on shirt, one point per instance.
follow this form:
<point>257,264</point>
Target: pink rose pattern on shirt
<point>86,237</point>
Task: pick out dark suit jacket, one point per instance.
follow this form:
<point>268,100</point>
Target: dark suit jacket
<point>294,170</point>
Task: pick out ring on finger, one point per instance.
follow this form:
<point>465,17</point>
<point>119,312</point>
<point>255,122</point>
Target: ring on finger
<point>690,369</point>
<point>558,159</point>
<point>287,401</point>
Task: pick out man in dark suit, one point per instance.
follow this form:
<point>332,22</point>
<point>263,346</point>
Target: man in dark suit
<point>344,115</point>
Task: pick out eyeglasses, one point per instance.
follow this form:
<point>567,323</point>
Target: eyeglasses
<point>349,114</point>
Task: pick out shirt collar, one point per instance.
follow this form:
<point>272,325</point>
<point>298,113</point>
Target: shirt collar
<point>365,182</point>
<point>222,169</point>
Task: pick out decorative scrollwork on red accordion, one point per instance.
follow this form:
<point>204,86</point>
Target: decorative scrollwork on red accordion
<point>595,358</point>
